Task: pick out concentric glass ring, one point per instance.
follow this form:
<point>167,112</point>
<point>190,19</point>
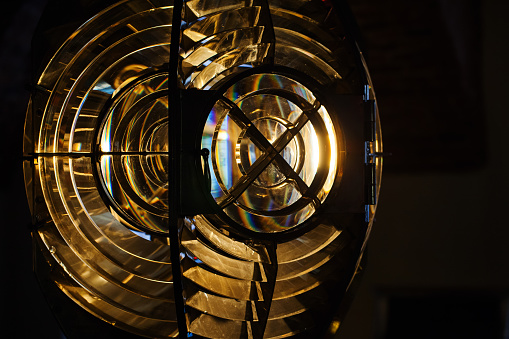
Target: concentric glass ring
<point>246,151</point>
<point>285,147</point>
<point>133,153</point>
<point>100,166</point>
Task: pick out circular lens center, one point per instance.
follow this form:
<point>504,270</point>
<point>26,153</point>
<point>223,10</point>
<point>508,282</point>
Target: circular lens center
<point>247,153</point>
<point>134,154</point>
<point>273,153</point>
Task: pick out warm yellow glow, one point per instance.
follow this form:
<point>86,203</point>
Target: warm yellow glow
<point>199,56</point>
<point>334,326</point>
<point>105,137</point>
<point>315,151</point>
<point>333,149</point>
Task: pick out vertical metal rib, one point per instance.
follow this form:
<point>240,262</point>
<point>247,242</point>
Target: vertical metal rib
<point>269,36</point>
<point>174,219</point>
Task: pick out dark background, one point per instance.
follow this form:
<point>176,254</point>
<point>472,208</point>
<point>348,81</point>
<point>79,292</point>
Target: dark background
<point>438,255</point>
<point>437,258</point>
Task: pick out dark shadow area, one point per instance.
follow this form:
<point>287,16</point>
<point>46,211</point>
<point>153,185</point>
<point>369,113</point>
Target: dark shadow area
<point>26,314</point>
<point>440,72</point>
<point>440,314</point>
<point>425,61</point>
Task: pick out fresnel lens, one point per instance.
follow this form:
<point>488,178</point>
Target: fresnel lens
<point>208,168</point>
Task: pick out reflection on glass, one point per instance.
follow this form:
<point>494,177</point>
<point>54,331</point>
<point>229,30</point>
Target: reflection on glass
<point>267,123</point>
<point>134,153</point>
<point>101,164</point>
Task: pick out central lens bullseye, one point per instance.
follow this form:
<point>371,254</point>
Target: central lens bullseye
<point>133,148</point>
<point>283,142</point>
<point>247,152</point>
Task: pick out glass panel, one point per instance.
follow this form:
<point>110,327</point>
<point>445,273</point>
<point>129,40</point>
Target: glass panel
<point>221,307</point>
<point>105,74</point>
<point>268,123</point>
<point>249,56</point>
<point>221,40</point>
<point>308,281</point>
<point>216,46</point>
<point>105,24</point>
<point>227,282</point>
<point>118,273</point>
<point>135,189</point>
<point>120,294</point>
<point>306,63</point>
<point>134,142</point>
<point>282,308</point>
<point>218,284</point>
<point>295,16</point>
<point>212,327</point>
<point>221,263</point>
<point>201,8</point>
<point>311,262</point>
<point>224,21</point>
<point>126,285</point>
<point>307,244</point>
<point>137,121</point>
<point>226,244</point>
<point>119,316</point>
<point>78,207</point>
